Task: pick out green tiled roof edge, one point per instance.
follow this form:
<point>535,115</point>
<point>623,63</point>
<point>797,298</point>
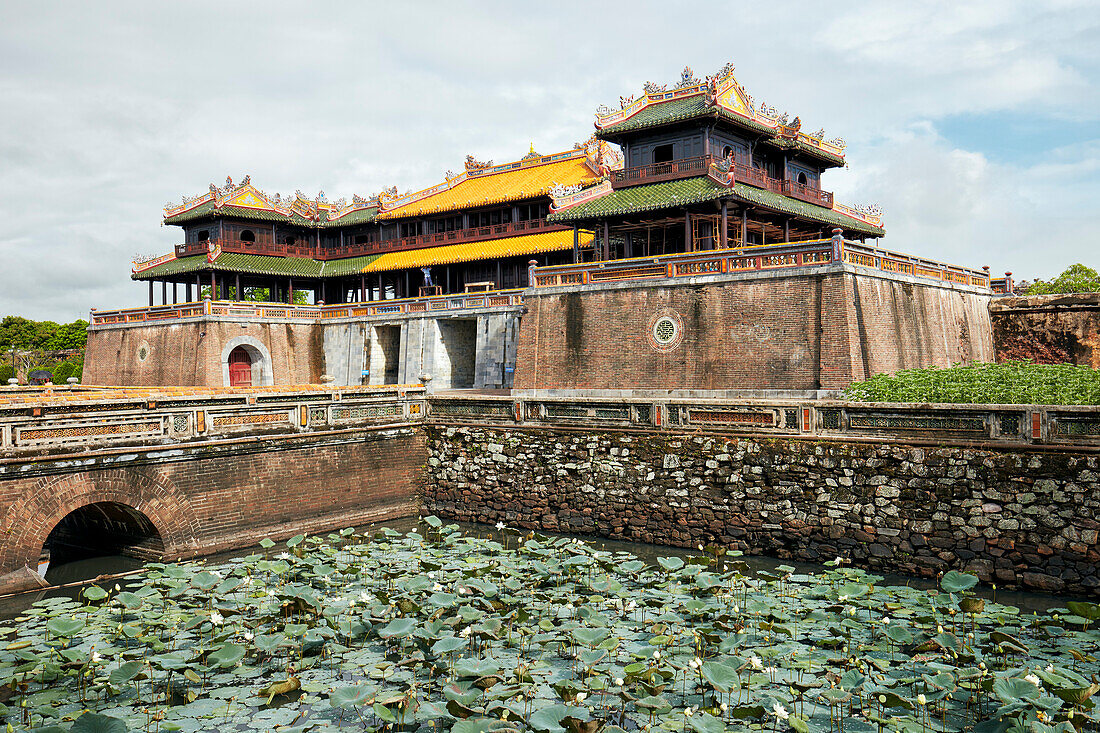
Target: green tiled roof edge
<point>207,210</point>
<point>259,265</point>
<point>667,194</point>
<point>670,194</point>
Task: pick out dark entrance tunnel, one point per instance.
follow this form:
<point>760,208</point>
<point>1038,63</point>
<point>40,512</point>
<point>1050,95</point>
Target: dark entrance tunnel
<point>105,528</point>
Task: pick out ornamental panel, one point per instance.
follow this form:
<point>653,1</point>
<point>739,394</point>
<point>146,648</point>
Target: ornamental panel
<point>257,418</point>
<point>365,412</point>
<point>917,422</point>
<point>732,417</point>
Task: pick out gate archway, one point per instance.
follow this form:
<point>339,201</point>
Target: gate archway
<point>259,361</point>
<point>240,368</point>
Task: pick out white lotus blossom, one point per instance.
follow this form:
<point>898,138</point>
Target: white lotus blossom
<point>657,654</point>
<point>1032,679</point>
<point>885,620</point>
<point>842,599</point>
<point>97,657</point>
<point>216,618</point>
<point>689,712</point>
<point>283,556</point>
<point>921,699</point>
<point>839,560</point>
<point>500,526</point>
<point>780,712</point>
<point>755,662</point>
<point>618,681</point>
<point>364,597</point>
<point>248,636</point>
<point>581,696</point>
<point>723,707</point>
<point>1049,667</point>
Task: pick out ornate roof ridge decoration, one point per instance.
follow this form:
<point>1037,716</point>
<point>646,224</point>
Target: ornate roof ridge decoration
<point>562,197</point>
<point>388,199</point>
<point>870,213</point>
<point>722,91</point>
<point>247,196</point>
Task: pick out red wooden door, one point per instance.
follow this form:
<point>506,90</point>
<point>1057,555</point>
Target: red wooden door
<point>240,368</point>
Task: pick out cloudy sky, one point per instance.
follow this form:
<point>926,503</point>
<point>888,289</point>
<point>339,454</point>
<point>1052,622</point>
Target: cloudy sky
<point>974,125</point>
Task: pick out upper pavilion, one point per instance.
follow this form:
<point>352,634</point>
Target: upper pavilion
<point>705,168</point>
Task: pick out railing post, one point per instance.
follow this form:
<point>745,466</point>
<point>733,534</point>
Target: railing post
<point>531,264</point>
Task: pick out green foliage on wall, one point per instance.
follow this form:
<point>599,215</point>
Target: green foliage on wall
<point>1074,279</point>
<point>1007,383</point>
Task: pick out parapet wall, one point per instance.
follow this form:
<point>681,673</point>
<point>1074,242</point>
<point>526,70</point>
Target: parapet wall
<point>799,328</point>
<point>1049,329</point>
<point>1013,516</point>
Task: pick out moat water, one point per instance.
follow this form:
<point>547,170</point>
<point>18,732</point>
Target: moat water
<point>68,578</point>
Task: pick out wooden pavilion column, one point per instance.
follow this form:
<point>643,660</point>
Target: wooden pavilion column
<point>606,241</point>
<point>237,290</point>
<point>689,245</point>
<point>175,298</point>
<point>786,230</point>
<point>725,228</point>
<point>213,285</point>
<point>164,292</point>
<point>576,245</point>
<point>744,226</point>
<point>187,292</point>
<point>198,286</point>
<point>381,290</point>
<point>362,288</point>
<point>150,293</point>
<point>289,290</point>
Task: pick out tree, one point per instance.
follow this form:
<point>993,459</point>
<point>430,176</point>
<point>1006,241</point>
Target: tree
<point>1074,279</point>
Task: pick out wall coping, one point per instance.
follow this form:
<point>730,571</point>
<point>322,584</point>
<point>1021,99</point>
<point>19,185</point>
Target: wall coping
<point>1049,302</point>
<point>832,268</point>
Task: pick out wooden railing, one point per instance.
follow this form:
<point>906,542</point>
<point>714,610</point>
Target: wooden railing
<point>699,165</point>
<point>189,249</point>
<point>667,171</point>
<point>239,309</point>
<point>743,259</point>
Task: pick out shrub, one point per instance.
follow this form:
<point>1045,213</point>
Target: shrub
<point>1007,383</point>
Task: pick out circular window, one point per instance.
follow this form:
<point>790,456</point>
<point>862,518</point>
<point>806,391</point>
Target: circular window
<point>666,330</point>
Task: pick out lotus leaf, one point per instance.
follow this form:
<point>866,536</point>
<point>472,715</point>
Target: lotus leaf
<point>955,582</point>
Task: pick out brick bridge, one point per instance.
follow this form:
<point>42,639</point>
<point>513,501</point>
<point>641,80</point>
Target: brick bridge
<point>182,472</point>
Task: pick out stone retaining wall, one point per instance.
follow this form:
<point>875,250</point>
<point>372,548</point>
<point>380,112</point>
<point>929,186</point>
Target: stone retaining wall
<point>1015,517</point>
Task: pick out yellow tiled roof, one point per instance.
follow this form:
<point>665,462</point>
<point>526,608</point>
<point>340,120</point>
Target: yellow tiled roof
<point>493,188</point>
<point>528,244</point>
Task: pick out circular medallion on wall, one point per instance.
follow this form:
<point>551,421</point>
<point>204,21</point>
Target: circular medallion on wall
<point>666,331</point>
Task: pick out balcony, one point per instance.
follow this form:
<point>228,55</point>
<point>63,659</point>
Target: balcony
<point>699,165</point>
<point>656,172</point>
<point>458,236</point>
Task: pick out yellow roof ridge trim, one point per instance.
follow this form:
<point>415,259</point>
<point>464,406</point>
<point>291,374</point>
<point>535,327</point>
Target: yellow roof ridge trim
<point>388,202</point>
<point>721,90</point>
<point>449,254</point>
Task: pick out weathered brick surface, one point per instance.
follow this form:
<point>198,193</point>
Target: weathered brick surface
<point>800,331</point>
<point>190,354</point>
<point>1048,329</point>
<point>1026,519</point>
<point>208,499</point>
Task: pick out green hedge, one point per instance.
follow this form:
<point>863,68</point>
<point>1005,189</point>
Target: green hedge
<point>1009,383</point>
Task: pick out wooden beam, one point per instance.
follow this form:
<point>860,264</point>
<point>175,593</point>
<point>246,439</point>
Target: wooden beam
<point>725,227</point>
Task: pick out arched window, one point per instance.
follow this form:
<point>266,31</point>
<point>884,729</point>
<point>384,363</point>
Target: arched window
<point>727,151</point>
<point>204,235</point>
<point>802,179</point>
<point>290,240</point>
<point>248,236</point>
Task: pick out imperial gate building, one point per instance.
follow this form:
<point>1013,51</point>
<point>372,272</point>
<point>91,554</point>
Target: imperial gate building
<point>689,243</point>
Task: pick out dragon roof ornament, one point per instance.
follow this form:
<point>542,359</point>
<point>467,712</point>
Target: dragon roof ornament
<point>721,90</point>
<point>245,195</point>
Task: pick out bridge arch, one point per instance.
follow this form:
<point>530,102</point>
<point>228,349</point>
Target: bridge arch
<point>148,494</point>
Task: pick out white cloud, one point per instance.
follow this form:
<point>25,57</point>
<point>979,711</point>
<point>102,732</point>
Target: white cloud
<point>113,109</point>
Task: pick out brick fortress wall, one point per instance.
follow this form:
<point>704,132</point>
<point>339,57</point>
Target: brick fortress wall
<point>189,353</point>
<point>1049,329</point>
<point>212,498</point>
<point>1025,519</point>
<point>811,328</point>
